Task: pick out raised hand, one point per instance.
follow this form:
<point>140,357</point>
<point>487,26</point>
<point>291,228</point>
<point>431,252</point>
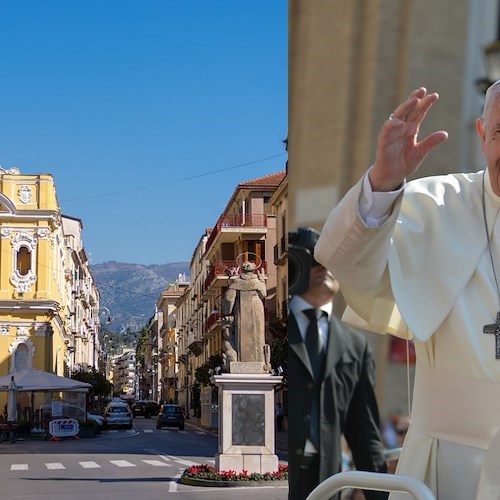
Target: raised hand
<point>398,151</point>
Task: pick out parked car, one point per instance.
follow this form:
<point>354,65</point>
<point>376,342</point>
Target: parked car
<point>146,408</point>
<point>62,409</point>
<point>98,419</point>
<point>70,410</point>
<point>118,414</point>
<point>170,416</point>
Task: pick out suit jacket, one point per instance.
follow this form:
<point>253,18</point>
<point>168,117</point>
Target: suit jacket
<point>347,404</point>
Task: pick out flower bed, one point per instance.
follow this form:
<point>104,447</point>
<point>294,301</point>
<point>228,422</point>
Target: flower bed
<point>207,475</point>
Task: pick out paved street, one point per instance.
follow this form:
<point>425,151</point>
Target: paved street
<point>124,464</point>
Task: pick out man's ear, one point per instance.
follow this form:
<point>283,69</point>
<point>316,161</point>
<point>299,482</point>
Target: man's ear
<point>480,129</point>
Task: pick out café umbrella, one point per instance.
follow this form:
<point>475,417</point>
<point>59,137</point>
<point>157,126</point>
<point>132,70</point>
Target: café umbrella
<point>11,401</point>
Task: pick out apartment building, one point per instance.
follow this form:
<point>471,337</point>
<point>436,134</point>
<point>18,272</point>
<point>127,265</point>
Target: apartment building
<point>168,361</point>
<point>246,230</point>
<point>82,304</point>
<point>124,374</point>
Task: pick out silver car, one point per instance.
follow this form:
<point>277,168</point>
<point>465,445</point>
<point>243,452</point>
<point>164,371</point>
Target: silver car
<point>118,415</point>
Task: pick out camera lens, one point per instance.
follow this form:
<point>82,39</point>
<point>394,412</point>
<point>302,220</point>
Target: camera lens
<point>299,264</point>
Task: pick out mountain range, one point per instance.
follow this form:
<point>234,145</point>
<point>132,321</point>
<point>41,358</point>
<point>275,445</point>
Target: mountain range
<point>130,291</point>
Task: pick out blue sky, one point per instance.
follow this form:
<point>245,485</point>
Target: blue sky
<point>145,112</point>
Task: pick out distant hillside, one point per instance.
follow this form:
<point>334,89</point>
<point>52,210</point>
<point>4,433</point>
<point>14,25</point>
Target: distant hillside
<point>130,291</point>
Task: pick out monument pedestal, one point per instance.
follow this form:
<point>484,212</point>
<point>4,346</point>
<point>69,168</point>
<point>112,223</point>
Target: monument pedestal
<point>246,422</point>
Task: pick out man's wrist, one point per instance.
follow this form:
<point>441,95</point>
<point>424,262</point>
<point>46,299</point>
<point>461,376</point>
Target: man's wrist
<point>379,185</point>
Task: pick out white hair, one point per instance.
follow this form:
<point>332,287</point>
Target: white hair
<point>491,93</point>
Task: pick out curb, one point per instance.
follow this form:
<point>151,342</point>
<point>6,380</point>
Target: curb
<point>191,481</point>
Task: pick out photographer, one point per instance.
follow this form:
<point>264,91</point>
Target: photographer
<point>331,377</point>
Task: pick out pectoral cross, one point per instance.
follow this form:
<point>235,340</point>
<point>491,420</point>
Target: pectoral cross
<point>495,328</point>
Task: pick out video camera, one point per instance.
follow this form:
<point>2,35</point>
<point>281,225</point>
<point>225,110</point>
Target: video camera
<point>300,258</point>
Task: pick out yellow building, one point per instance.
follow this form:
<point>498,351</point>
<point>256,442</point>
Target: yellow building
<point>35,277</point>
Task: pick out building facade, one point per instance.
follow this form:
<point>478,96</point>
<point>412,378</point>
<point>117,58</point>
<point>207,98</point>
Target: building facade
<point>38,275</point>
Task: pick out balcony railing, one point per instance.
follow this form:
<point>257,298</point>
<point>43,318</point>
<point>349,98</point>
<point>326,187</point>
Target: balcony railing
<point>211,320</point>
<point>235,221</point>
<point>224,267</point>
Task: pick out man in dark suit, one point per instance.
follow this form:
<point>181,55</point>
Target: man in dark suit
<point>331,377</point>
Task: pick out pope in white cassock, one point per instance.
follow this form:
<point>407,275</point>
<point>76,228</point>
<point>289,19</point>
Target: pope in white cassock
<point>422,259</point>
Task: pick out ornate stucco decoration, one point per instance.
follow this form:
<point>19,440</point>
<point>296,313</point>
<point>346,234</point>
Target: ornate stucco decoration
<point>55,221</point>
<point>42,232</point>
<point>23,332</point>
<point>4,330</point>
<point>23,282</point>
<point>24,239</point>
<point>12,171</point>
<point>24,194</point>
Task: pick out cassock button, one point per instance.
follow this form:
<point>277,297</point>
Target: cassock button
<point>298,451</point>
<point>310,385</point>
<point>307,418</point>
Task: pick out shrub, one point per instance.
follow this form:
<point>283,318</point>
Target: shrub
<point>208,472</point>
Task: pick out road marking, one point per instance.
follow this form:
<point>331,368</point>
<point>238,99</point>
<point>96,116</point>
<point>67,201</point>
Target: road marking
<point>19,467</point>
<point>200,432</point>
<point>156,463</point>
<point>148,430</point>
<point>182,432</point>
<point>172,487</point>
<point>90,465</point>
<point>113,431</point>
<point>55,465</point>
<point>182,462</point>
<point>122,463</point>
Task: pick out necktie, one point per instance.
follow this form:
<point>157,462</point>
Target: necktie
<point>313,342</point>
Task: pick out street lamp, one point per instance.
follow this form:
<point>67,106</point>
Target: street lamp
<point>105,314</point>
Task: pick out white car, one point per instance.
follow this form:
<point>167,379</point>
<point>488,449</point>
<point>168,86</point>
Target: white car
<point>118,415</point>
<point>98,419</point>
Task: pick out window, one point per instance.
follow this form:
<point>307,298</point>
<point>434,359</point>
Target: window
<point>23,264</point>
<point>21,357</point>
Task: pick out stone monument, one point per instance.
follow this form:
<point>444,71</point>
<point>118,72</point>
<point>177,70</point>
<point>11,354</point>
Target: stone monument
<point>246,388</point>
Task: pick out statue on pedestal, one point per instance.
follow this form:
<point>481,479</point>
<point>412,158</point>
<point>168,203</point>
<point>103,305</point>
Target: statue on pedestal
<point>244,302</point>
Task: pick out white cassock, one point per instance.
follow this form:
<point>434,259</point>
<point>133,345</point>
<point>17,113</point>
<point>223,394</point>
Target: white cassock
<point>431,259</point>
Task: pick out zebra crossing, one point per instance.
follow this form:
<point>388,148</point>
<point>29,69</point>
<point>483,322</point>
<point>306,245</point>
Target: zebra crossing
<point>169,461</point>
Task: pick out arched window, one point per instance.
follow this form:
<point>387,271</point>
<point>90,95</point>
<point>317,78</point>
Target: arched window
<point>21,357</point>
<point>23,263</point>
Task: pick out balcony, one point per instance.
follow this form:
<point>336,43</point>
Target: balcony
<point>212,320</point>
<point>223,269</point>
<point>234,223</point>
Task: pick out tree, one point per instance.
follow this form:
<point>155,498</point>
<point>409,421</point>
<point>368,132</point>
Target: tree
<point>202,374</point>
<point>101,387</point>
<point>141,345</point>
